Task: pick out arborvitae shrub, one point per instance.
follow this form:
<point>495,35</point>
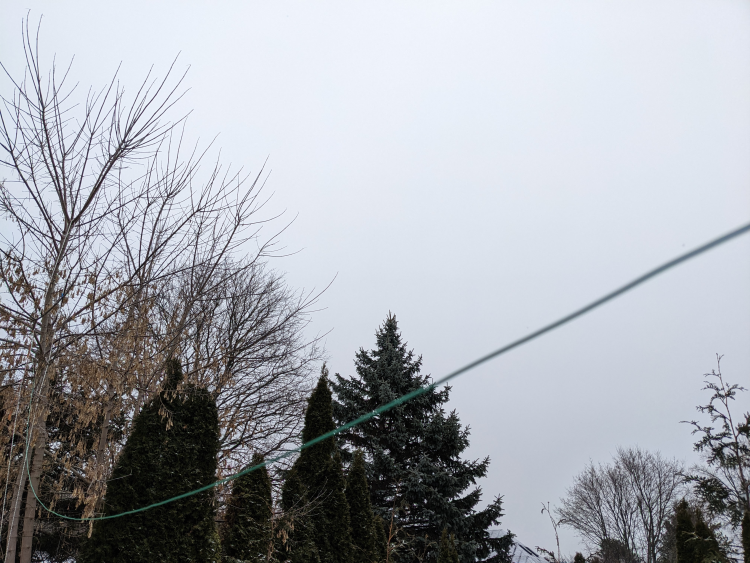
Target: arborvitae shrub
<point>321,485</point>
<point>684,533</point>
<point>707,547</point>
<point>381,540</point>
<point>247,533</point>
<point>579,558</point>
<point>447,553</point>
<point>365,533</point>
<point>295,542</point>
<point>158,463</point>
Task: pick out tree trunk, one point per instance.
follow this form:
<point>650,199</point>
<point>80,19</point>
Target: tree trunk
<point>41,380</point>
<point>29,517</point>
<point>101,469</point>
<point>15,516</point>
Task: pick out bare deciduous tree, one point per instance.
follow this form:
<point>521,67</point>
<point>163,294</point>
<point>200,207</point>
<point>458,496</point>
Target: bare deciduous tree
<point>628,500</point>
<point>109,217</point>
<point>245,343</point>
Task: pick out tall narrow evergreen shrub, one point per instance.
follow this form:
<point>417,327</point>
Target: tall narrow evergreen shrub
<point>381,540</point>
<point>707,547</point>
<point>296,543</point>
<point>684,533</point>
<point>365,532</point>
<point>163,457</point>
<point>321,477</point>
<point>247,533</point>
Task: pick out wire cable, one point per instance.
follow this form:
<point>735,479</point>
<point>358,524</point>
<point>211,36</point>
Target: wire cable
<point>417,392</point>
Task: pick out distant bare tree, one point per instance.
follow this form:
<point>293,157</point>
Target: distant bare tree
<point>656,483</point>
<point>598,507</point>
<point>628,501</point>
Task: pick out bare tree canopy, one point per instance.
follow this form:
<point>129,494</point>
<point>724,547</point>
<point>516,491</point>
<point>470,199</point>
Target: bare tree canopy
<point>125,248</point>
<point>245,343</point>
<point>628,500</point>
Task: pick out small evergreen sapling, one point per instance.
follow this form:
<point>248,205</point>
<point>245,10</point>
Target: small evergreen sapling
<point>247,532</point>
<point>724,483</point>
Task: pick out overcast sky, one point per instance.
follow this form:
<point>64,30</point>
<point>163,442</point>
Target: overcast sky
<point>479,169</point>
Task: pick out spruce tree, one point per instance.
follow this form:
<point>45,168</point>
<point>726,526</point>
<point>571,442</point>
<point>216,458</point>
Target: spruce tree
<point>163,457</point>
<point>247,532</point>
<point>579,558</point>
<point>321,477</point>
<point>448,553</point>
<point>365,532</point>
<point>413,455</point>
<point>746,536</point>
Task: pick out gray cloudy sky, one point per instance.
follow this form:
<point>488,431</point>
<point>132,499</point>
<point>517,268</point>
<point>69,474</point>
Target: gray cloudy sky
<point>480,168</point>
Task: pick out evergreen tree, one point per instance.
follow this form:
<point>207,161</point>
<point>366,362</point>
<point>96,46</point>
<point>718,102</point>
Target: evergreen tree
<point>746,536</point>
<point>247,531</point>
<point>163,457</point>
<point>297,541</point>
<point>684,533</point>
<point>413,453</point>
<point>448,553</point>
<point>706,546</point>
<point>365,532</point>
<point>579,558</point>
<point>321,477</point>
<point>381,541</point>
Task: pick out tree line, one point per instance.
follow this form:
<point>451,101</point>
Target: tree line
<point>644,508</point>
<point>146,351</point>
<point>323,508</point>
